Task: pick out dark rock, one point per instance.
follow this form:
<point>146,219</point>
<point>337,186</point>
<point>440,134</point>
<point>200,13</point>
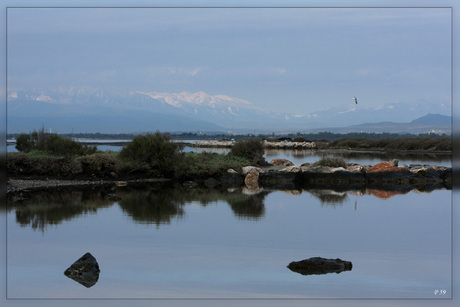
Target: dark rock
<point>319,177</point>
<point>211,183</point>
<point>277,179</point>
<point>84,271</point>
<point>318,266</point>
<point>232,179</point>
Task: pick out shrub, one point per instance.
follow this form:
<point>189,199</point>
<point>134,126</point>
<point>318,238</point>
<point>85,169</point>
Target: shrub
<point>100,164</point>
<point>154,153</point>
<point>207,164</point>
<point>25,164</point>
<point>52,144</point>
<point>24,143</point>
<point>250,149</point>
<point>35,140</point>
<point>331,161</point>
<point>57,145</point>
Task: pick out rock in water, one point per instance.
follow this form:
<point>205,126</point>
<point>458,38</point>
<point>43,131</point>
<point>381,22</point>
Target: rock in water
<point>85,270</point>
<point>318,266</point>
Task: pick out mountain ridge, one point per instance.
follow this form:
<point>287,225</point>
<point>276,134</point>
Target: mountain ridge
<point>65,109</point>
<point>429,123</point>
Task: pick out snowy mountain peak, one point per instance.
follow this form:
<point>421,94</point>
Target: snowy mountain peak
<point>199,98</point>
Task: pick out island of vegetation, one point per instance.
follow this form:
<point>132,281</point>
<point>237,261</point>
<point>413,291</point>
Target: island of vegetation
<point>49,158</point>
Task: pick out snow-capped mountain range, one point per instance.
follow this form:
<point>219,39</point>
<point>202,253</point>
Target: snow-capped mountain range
<point>87,109</point>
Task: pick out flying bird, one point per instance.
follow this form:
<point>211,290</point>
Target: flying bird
<point>355,99</point>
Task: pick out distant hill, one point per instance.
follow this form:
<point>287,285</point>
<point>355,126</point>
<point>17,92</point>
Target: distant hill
<point>430,123</point>
<point>433,119</point>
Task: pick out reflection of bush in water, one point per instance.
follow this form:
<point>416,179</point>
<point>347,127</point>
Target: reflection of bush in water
<point>147,204</point>
<point>250,207</point>
<point>152,207</point>
<point>41,209</point>
<point>329,196</point>
<point>159,206</point>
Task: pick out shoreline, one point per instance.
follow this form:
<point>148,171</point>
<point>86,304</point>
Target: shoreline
<point>15,185</point>
<point>383,175</point>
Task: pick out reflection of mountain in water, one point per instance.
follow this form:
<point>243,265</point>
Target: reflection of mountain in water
<point>156,204</point>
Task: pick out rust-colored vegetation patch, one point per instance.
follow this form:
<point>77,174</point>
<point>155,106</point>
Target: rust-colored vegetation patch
<point>386,167</point>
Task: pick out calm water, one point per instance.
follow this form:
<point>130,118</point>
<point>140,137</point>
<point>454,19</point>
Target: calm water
<point>170,242</point>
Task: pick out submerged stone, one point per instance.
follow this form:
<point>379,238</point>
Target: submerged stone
<point>319,265</point>
<point>84,271</point>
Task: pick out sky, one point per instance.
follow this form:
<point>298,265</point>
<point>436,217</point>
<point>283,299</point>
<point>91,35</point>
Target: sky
<point>285,59</point>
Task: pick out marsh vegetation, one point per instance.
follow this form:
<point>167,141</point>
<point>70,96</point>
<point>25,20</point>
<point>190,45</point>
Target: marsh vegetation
<point>156,155</point>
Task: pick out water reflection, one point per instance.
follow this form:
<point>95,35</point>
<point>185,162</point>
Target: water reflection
<point>159,204</point>
<point>250,207</point>
<point>229,243</point>
<point>41,209</point>
<point>330,197</point>
<point>152,206</point>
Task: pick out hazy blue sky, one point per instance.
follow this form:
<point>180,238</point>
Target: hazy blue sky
<point>297,60</point>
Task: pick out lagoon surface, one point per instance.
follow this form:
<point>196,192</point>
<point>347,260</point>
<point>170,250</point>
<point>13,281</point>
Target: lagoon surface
<point>159,241</point>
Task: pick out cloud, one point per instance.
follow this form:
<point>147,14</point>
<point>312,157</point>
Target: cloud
<point>278,70</point>
<point>364,71</point>
<point>349,110</point>
<point>194,71</point>
<point>187,71</point>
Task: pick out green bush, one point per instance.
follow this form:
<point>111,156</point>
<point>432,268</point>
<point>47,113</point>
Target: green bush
<point>24,143</point>
<point>154,153</point>
<point>207,164</point>
<point>100,164</point>
<point>52,144</point>
<point>250,149</point>
<point>59,146</point>
<point>25,164</point>
<point>331,162</point>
